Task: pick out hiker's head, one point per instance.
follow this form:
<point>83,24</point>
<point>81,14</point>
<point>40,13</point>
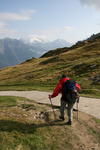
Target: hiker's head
<point>63,76</point>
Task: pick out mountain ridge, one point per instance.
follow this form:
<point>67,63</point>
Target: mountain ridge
<point>14,51</point>
<point>58,51</point>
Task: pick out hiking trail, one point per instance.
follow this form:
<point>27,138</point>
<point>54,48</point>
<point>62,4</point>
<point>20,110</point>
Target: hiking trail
<point>88,105</point>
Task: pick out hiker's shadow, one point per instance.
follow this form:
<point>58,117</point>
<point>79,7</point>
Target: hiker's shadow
<point>51,123</point>
<point>9,126</point>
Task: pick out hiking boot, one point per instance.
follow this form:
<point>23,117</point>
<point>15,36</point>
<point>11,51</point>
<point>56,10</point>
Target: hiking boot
<point>61,118</point>
<point>69,123</point>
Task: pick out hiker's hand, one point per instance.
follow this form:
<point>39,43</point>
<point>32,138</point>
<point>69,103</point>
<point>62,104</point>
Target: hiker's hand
<point>49,96</point>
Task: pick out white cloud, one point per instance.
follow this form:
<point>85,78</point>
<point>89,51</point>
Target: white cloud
<point>34,38</point>
<point>23,15</point>
<point>12,16</point>
<point>7,33</point>
<point>93,3</point>
<point>45,35</point>
<point>3,25</point>
<point>28,12</point>
<point>68,28</point>
<point>6,18</point>
<point>49,34</point>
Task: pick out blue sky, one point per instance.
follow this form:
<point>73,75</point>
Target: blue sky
<point>71,20</point>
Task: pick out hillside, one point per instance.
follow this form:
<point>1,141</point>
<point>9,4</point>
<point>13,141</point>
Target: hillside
<point>26,125</point>
<point>57,51</point>
<point>81,62</point>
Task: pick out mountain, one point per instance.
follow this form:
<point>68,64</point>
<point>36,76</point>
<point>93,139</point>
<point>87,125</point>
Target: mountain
<point>92,39</point>
<point>13,51</point>
<point>80,62</point>
<point>43,47</point>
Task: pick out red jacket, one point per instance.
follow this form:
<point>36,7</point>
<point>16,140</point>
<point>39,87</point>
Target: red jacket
<point>59,86</point>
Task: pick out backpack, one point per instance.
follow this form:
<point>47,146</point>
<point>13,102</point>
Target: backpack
<point>69,91</point>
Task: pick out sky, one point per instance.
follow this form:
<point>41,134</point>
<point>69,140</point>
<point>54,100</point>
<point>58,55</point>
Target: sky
<point>48,20</point>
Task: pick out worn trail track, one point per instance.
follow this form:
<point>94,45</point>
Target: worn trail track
<point>88,105</point>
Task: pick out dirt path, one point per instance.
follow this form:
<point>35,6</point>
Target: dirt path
<point>87,105</point>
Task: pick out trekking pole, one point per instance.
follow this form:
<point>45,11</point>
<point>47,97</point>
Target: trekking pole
<point>77,108</point>
<point>52,108</point>
<point>77,111</point>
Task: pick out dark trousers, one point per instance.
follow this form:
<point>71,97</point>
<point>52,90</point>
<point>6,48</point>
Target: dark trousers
<point>69,109</point>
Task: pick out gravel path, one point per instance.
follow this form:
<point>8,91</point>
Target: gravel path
<point>87,105</point>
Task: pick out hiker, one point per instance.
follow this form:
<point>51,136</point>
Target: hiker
<point>65,100</point>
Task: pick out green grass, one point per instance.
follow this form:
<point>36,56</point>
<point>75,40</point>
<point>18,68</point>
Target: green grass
<point>90,93</point>
<point>15,134</point>
<point>7,101</point>
<point>97,120</point>
<point>19,132</point>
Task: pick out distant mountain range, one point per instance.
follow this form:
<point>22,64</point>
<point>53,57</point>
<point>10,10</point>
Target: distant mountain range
<point>13,51</point>
<point>41,48</point>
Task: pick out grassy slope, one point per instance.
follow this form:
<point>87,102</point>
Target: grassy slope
<point>82,63</point>
<point>19,129</point>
